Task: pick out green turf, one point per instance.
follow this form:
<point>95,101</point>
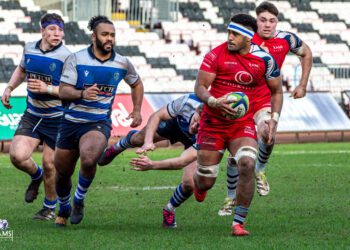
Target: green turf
<point>308,207</point>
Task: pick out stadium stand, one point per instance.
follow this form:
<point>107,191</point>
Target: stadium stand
<point>169,56</point>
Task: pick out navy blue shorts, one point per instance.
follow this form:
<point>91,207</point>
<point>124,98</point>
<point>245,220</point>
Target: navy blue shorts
<point>69,133</point>
<point>44,129</point>
<point>170,129</point>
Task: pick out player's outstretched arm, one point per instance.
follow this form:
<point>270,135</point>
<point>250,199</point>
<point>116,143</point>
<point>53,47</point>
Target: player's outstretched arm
<point>143,163</point>
<point>68,92</point>
<point>17,78</point>
<point>151,128</point>
<point>137,97</point>
<point>275,86</point>
<point>306,64</point>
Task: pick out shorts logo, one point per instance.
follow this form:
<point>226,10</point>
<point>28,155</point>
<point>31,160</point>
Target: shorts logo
<point>116,76</point>
<point>162,125</point>
<point>52,66</point>
<point>86,73</point>
<point>28,60</point>
<point>208,140</point>
<point>249,130</point>
<point>243,77</point>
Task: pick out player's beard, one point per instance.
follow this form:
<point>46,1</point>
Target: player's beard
<point>101,46</point>
<point>234,48</point>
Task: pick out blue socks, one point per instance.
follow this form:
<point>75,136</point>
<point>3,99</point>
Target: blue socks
<point>81,190</point>
<point>38,174</point>
<point>126,141</point>
<point>178,197</point>
<point>50,204</point>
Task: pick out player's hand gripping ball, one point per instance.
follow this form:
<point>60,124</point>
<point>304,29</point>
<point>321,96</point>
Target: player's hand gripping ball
<point>241,106</point>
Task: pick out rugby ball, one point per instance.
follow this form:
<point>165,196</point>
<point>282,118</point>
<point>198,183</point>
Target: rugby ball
<point>241,105</point>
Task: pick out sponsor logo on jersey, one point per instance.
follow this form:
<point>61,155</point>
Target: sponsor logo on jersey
<point>253,65</point>
<point>105,90</point>
<point>236,85</point>
<point>116,76</point>
<point>42,77</point>
<point>233,63</point>
<point>52,66</point>
<point>243,77</point>
<point>277,47</point>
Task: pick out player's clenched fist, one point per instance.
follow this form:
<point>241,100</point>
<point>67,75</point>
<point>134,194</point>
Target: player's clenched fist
<point>90,93</point>
<point>223,103</point>
<point>37,86</point>
<point>5,99</point>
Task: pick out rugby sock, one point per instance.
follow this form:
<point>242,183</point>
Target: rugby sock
<point>125,142</point>
<point>82,188</point>
<point>50,204</point>
<point>64,208</point>
<point>265,151</point>
<point>38,174</point>
<point>63,187</point>
<point>240,215</point>
<point>178,197</point>
<point>232,179</point>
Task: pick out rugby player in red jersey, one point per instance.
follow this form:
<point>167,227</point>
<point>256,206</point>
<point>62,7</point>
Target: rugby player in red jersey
<point>236,65</point>
<point>278,44</point>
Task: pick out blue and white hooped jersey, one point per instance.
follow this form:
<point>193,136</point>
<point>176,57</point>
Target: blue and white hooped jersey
<point>46,66</point>
<point>182,109</point>
<point>82,69</point>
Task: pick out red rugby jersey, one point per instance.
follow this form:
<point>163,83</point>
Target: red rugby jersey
<point>235,72</point>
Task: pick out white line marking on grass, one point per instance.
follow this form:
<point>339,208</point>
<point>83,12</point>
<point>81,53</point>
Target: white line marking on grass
<point>147,188</point>
<point>321,165</point>
<point>306,152</point>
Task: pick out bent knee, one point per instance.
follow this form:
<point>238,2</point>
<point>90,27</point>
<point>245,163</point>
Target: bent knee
<point>246,166</point>
<point>18,157</point>
<point>247,163</point>
<point>49,168</point>
<point>88,162</point>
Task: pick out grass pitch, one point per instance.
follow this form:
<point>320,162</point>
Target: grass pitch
<point>307,208</point>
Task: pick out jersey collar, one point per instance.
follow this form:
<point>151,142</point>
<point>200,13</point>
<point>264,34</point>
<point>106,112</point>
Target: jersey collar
<point>94,57</point>
<point>37,46</point>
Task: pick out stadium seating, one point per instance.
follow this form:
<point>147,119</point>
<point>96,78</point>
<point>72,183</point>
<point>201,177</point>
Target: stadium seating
<point>168,58</point>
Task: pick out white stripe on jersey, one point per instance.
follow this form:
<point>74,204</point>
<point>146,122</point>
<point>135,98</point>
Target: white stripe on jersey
<point>74,119</point>
<point>51,115</point>
<point>87,109</point>
<point>44,104</point>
